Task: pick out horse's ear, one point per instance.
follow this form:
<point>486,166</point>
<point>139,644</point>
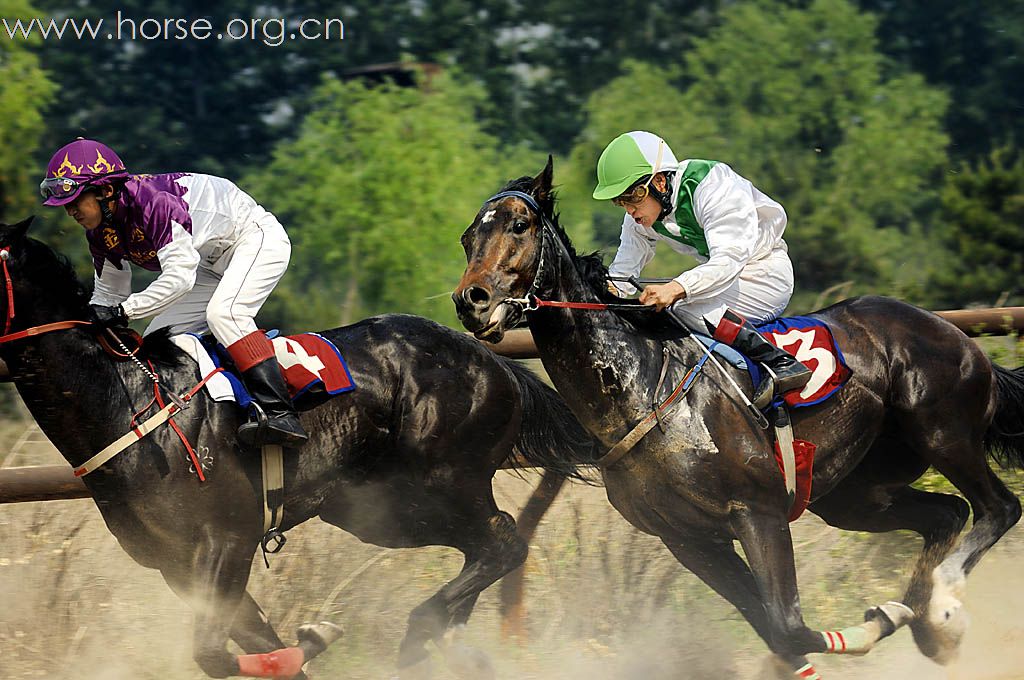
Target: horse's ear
<point>12,233</point>
<point>541,189</point>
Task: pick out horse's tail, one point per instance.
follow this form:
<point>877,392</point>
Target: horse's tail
<point>1005,436</point>
<point>550,436</point>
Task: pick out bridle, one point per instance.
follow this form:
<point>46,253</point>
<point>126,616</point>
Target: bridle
<point>532,301</point>
<point>527,302</point>
<point>110,341</point>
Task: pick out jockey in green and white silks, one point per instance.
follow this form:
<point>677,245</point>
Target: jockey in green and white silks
<point>706,210</point>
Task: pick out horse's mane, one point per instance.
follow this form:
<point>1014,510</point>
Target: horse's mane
<point>592,269</point>
<point>53,275</point>
<point>54,278</point>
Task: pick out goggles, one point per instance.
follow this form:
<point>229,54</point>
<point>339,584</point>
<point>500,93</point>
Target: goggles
<point>634,196</point>
<point>59,187</point>
<point>637,194</point>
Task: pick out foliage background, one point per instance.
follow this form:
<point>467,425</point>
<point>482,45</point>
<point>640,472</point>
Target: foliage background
<point>890,131</point>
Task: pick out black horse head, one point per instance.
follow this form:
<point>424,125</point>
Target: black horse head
<point>42,283</point>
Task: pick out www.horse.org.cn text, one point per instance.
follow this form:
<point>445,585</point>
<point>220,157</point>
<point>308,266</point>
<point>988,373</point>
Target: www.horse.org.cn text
<point>270,31</point>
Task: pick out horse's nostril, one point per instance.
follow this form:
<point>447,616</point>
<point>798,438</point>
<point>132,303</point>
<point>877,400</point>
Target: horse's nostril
<point>477,296</point>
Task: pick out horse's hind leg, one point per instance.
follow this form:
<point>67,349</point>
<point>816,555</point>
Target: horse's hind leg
<point>492,550</point>
<point>513,614</point>
<point>938,633</point>
<point>861,504</point>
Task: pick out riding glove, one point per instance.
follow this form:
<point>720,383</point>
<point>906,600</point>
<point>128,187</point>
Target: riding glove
<point>109,317</point>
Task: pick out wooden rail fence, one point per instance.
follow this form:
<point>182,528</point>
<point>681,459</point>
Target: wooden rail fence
<point>56,482</point>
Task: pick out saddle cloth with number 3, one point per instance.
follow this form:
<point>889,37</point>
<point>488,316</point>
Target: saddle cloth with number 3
<point>811,342</point>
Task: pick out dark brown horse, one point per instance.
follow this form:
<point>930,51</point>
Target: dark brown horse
<point>921,395</point>
<point>405,460</point>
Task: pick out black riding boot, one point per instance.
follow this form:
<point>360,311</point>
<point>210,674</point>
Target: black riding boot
<point>266,385</point>
<point>785,373</point>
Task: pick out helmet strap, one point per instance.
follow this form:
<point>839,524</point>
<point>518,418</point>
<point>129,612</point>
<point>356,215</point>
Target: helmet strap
<point>105,203</point>
<point>664,198</point>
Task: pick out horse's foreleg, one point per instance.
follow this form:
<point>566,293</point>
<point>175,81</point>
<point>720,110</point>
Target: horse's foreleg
<point>251,630</point>
<point>214,584</point>
<point>717,564</point>
<point>491,552</point>
<point>768,547</point>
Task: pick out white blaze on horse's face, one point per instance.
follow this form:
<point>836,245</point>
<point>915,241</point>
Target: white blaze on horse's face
<point>488,216</point>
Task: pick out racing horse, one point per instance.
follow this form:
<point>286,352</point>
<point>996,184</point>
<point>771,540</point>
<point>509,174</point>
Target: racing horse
<point>921,395</point>
<point>404,460</point>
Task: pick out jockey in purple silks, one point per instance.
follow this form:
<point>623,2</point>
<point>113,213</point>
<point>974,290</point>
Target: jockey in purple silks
<point>219,254</point>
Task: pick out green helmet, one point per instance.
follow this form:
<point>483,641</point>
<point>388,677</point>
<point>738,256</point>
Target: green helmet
<point>629,157</point>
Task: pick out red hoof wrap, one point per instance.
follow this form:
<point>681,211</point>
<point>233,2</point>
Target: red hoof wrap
<point>284,663</point>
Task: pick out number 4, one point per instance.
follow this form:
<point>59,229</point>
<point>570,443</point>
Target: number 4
<point>290,353</point>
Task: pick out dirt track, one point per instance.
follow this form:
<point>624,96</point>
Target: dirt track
<point>604,602</point>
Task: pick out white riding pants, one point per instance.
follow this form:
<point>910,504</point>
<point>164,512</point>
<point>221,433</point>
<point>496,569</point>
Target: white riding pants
<point>759,294</point>
<point>229,293</point>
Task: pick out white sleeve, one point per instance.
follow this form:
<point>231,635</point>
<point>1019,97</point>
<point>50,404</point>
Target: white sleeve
<point>179,261</point>
<point>113,286</point>
<point>636,250</point>
<point>725,209</point>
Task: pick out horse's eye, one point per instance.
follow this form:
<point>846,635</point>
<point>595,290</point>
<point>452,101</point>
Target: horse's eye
<point>520,227</point>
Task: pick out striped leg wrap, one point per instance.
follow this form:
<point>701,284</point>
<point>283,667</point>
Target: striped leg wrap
<point>852,640</point>
<point>835,643</point>
<point>808,672</point>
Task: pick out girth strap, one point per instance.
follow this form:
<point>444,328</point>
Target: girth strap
<point>155,421</point>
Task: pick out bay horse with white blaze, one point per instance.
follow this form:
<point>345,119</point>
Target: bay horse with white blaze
<point>921,394</point>
<point>404,460</point>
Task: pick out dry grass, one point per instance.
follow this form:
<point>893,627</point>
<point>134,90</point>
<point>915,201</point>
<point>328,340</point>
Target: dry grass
<point>604,602</point>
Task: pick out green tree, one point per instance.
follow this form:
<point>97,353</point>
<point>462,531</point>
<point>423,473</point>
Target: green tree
<point>983,210</point>
<point>25,90</point>
<point>971,49</point>
<point>375,191</point>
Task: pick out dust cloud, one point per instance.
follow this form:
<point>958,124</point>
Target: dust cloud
<point>603,601</point>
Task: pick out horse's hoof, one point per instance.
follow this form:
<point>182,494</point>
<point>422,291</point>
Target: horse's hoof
<point>890,616</point>
<point>314,638</point>
<point>468,662</point>
<point>947,620</point>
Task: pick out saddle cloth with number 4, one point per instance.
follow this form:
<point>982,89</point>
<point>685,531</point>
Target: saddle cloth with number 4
<point>313,368</point>
<point>811,342</point>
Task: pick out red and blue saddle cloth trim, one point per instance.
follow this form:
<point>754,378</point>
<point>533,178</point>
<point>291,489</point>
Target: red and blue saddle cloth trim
<point>808,339</point>
<point>307,389</point>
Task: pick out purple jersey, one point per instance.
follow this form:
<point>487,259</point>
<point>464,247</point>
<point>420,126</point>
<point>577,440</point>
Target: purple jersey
<point>145,210</point>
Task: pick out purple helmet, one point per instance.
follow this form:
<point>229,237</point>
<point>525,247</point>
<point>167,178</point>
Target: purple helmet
<point>75,166</point>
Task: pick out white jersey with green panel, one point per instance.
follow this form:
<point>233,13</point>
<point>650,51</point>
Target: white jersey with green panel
<point>722,220</point>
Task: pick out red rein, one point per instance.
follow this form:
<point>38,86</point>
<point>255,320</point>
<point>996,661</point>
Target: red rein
<point>5,254</point>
